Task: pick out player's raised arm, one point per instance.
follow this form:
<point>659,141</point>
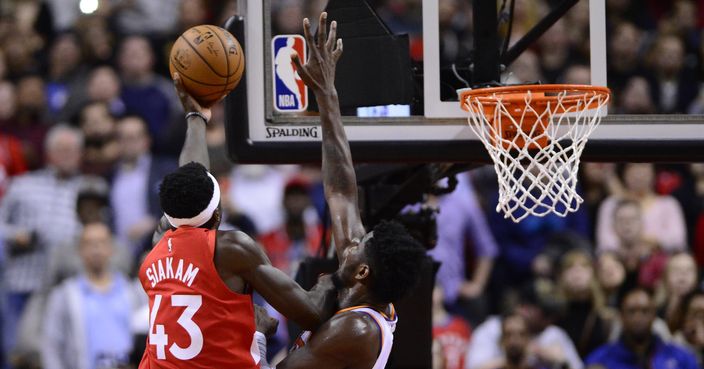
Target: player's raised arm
<point>195,148</point>
<point>339,178</point>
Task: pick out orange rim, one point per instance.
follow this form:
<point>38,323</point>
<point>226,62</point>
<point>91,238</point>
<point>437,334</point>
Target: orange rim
<point>569,95</point>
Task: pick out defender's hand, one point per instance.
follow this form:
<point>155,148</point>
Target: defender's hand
<point>265,323</point>
<point>189,103</point>
<point>319,72</point>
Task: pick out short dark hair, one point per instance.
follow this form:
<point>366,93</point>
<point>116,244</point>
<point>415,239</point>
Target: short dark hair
<point>632,291</point>
<point>395,260</point>
<point>186,192</point>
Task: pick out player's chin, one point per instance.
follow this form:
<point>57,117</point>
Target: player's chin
<point>337,280</point>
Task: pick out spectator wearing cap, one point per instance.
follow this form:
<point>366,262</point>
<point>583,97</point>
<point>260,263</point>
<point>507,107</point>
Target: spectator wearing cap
<point>300,235</point>
<point>550,345</point>
<point>638,347</point>
<point>135,184</point>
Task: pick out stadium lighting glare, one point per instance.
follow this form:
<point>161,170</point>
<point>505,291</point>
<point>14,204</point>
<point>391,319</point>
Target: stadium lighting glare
<point>88,6</point>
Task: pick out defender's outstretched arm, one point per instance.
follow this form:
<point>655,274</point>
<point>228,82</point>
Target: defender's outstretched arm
<point>339,178</point>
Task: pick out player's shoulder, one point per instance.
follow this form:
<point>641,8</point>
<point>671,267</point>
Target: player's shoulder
<point>236,246</point>
<point>350,333</point>
<point>355,325</point>
<point>235,241</point>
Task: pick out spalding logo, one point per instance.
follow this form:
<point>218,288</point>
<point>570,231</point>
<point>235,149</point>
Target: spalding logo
<point>183,58</point>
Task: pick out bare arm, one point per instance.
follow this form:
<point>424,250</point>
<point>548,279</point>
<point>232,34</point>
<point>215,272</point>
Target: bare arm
<point>241,256</point>
<point>346,341</point>
<point>339,178</point>
<point>195,149</point>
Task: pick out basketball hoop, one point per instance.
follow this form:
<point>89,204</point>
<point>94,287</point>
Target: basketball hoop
<point>535,134</point>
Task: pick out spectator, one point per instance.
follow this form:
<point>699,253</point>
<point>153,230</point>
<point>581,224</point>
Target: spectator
<point>300,235</point>
<point>147,17</point>
<point>636,97</point>
<point>515,343</point>
<point>587,321</point>
<point>643,259</point>
<point>103,86</point>
<point>526,69</point>
<point>673,86</point>
<point>87,319</point>
<point>691,333</point>
<point>135,184</point>
<point>193,13</point>
<point>638,347</point>
<point>611,275</point>
<point>624,55</point>
<point>92,206</point>
<point>549,344</point>
<point>12,161</point>
<point>257,191</point>
<point>29,121</point>
<point>663,221</point>
<point>100,144</point>
<point>556,52</point>
<point>285,15</point>
<point>598,181</point>
<point>97,42</point>
<point>679,280</point>
<point>577,74</point>
<point>37,214</point>
<point>65,71</point>
<point>451,333</point>
<point>463,235</point>
<point>146,93</point>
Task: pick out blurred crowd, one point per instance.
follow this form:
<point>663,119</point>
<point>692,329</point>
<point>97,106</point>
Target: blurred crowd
<point>89,124</point>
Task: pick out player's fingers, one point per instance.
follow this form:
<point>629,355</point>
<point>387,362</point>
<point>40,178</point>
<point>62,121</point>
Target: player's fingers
<point>337,53</point>
<point>322,29</point>
<point>302,71</point>
<point>178,84</point>
<point>330,43</point>
<point>307,34</point>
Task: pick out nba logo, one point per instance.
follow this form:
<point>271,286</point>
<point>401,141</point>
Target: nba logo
<point>290,93</point>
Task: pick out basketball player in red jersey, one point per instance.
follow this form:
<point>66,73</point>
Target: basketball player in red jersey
<point>199,279</point>
<point>376,268</point>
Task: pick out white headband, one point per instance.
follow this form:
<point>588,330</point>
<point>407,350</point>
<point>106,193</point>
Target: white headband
<point>205,215</point>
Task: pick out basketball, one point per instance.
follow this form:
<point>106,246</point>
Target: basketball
<point>210,62</point>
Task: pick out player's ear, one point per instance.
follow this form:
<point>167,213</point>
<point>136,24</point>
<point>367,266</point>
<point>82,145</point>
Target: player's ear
<point>362,272</point>
<point>217,214</point>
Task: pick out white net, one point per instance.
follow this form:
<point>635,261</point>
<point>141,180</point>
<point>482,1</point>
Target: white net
<point>536,142</point>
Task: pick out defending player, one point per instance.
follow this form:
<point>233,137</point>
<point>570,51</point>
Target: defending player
<point>376,268</point>
<point>199,279</point>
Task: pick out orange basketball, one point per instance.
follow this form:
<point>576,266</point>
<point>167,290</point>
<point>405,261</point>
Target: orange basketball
<point>210,62</point>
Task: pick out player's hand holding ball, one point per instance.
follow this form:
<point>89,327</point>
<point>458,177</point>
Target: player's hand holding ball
<point>209,62</point>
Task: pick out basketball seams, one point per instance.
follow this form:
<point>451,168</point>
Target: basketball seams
<point>202,58</point>
<point>183,73</point>
<point>227,58</point>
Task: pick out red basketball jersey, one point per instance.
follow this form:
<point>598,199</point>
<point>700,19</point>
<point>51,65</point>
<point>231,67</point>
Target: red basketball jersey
<point>195,321</point>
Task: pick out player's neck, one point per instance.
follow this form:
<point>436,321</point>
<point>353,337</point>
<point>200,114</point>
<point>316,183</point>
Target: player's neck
<point>358,295</point>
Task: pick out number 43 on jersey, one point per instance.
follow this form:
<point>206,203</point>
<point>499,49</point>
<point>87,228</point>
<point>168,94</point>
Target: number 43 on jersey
<point>159,338</point>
